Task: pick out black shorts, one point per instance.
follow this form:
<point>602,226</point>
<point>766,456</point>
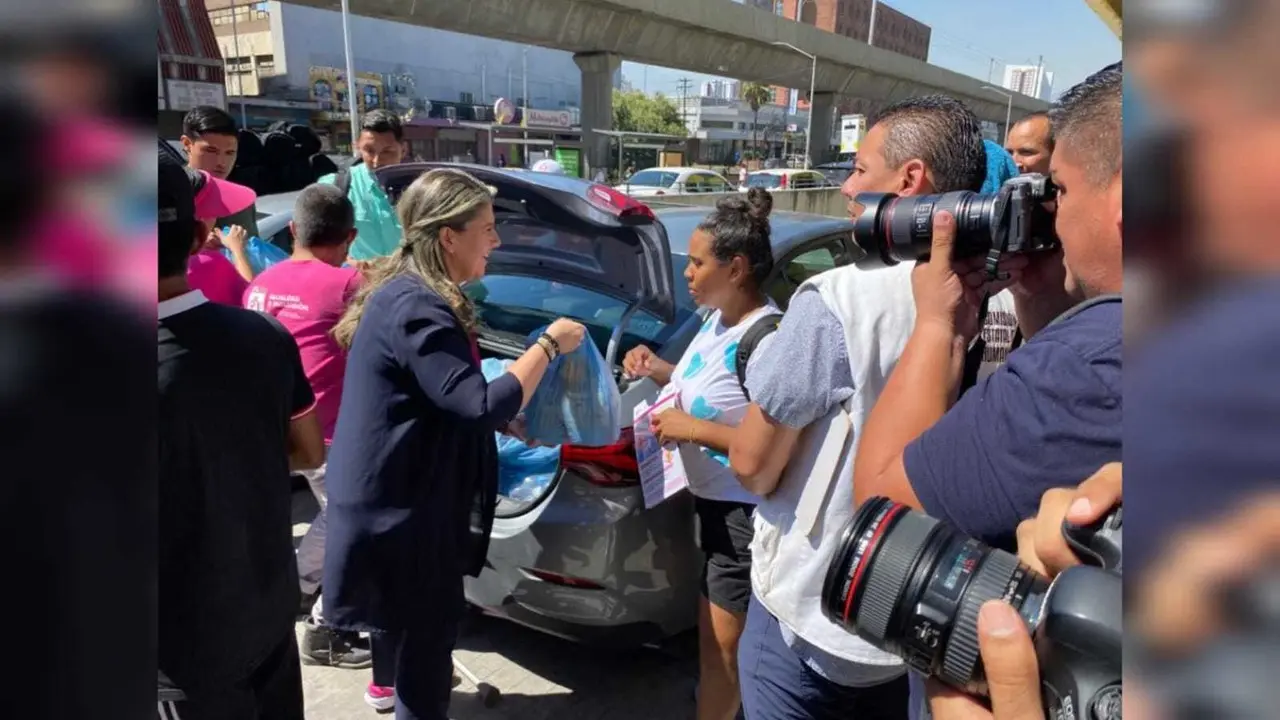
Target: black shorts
<point>725,532</point>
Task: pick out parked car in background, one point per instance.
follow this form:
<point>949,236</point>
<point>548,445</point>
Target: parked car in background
<point>837,172</point>
<point>579,556</point>
<point>786,179</point>
<point>653,182</point>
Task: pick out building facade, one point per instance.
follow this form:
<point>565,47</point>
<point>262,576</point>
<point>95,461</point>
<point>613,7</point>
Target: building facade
<point>188,63</point>
<point>445,83</point>
<point>895,31</point>
<point>722,89</point>
<point>1031,80</point>
<point>721,130</point>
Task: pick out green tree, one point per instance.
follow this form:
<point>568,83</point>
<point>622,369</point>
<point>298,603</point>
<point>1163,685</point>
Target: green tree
<point>756,96</point>
<point>636,112</point>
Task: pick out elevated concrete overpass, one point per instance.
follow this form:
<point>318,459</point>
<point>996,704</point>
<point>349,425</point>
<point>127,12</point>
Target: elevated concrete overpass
<point>714,37</point>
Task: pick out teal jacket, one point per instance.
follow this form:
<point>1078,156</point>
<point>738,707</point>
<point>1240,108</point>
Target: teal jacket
<point>377,227</point>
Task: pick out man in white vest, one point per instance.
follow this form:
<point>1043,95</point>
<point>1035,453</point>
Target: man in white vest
<point>812,389</point>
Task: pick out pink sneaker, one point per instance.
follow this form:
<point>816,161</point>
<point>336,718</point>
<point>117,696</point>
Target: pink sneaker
<point>380,698</point>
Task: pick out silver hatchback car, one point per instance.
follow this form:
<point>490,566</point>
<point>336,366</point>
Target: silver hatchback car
<point>578,555</point>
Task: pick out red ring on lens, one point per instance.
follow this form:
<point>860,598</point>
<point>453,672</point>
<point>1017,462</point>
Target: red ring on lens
<point>886,520</point>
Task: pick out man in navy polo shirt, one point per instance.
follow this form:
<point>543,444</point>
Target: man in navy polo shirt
<point>1051,416</point>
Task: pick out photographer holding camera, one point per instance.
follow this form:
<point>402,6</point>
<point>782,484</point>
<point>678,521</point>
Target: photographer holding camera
<point>1052,413</point>
<point>1008,655</point>
<point>811,390</point>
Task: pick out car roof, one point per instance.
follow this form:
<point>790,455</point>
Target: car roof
<point>783,171</point>
<point>277,203</point>
<point>787,229</point>
<point>679,169</point>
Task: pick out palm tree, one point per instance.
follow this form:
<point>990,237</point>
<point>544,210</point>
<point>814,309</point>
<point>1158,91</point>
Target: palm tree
<point>756,95</point>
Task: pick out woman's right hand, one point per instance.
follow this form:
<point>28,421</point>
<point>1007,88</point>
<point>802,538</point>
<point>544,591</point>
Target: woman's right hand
<point>638,362</point>
<point>567,333</point>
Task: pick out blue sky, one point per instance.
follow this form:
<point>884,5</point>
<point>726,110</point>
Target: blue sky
<point>967,34</point>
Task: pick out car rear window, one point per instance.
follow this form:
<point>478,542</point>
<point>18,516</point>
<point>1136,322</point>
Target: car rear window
<point>768,181</point>
<point>519,305</point>
<point>652,178</point>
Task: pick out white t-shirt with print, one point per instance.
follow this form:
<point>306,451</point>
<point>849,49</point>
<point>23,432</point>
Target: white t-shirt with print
<point>707,379</point>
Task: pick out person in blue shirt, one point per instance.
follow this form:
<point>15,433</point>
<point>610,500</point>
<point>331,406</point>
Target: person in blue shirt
<point>1051,416</point>
<point>412,477</point>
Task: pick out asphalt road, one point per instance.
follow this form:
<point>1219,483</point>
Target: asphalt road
<point>538,676</point>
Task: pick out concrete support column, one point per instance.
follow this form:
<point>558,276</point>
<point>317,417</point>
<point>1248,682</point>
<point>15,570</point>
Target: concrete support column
<point>598,69</point>
<point>821,108</point>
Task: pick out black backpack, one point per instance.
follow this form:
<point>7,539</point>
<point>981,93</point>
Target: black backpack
<point>758,331</point>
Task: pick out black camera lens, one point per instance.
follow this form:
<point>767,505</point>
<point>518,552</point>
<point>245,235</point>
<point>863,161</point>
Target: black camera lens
<point>898,229</point>
<point>913,586</point>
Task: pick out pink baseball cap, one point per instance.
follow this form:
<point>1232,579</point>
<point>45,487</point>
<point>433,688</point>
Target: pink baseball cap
<point>218,198</point>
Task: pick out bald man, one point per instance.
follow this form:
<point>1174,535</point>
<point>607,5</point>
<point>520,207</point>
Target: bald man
<point>1030,142</point>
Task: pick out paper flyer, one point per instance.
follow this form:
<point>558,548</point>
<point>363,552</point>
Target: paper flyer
<point>662,472</point>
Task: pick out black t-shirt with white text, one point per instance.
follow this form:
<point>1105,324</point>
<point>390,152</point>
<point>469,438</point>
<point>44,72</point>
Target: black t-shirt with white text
<point>230,382</point>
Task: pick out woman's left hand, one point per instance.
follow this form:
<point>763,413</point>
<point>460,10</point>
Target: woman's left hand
<point>516,429</point>
<point>673,426</point>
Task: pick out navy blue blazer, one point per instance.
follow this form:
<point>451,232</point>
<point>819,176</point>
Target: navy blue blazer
<point>413,470</point>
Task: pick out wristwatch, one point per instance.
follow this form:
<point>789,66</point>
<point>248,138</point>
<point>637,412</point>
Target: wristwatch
<point>549,346</point>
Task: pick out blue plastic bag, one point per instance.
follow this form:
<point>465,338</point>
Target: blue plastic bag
<point>523,472</point>
<point>261,253</point>
<point>577,402</point>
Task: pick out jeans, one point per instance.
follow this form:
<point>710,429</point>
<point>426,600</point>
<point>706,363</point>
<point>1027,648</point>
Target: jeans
<point>778,685</point>
<point>311,549</point>
<point>418,659</point>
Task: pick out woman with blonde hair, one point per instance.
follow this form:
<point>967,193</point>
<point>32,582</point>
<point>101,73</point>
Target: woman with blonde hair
<point>413,465</point>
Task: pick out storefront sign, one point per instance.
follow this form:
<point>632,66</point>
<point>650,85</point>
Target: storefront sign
<point>187,94</point>
<point>329,88</point>
<point>571,160</point>
<point>547,118</point>
<point>852,128</point>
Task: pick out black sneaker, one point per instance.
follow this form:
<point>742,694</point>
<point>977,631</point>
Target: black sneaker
<point>325,646</point>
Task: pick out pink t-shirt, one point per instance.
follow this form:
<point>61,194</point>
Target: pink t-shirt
<point>210,272</point>
<point>308,297</point>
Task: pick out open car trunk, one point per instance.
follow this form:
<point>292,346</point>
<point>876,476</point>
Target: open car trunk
<point>573,249</point>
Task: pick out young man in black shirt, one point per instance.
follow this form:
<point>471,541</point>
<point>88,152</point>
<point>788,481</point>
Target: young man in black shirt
<point>235,416</point>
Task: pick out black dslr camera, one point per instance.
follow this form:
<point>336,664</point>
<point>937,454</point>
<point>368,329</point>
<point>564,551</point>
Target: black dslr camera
<point>912,586</point>
<point>1017,218</point>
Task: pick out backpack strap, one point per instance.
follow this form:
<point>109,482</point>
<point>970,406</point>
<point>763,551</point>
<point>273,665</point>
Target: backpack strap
<point>342,180</point>
<point>758,331</point>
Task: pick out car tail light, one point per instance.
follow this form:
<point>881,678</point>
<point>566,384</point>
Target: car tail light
<point>617,203</point>
<point>784,182</point>
<point>607,466</point>
<point>565,580</point>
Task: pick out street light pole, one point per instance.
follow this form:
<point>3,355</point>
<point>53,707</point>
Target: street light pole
<point>351,75</point>
<point>871,29</point>
<point>1008,111</point>
<point>813,77</point>
<point>235,40</point>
